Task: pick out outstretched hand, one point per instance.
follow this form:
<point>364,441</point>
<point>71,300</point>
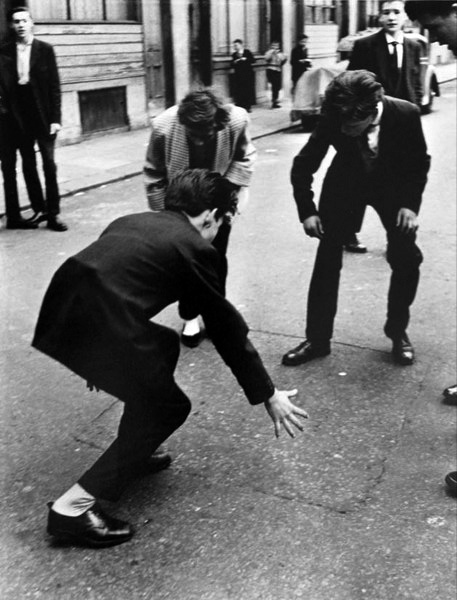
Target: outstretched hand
<point>283,412</point>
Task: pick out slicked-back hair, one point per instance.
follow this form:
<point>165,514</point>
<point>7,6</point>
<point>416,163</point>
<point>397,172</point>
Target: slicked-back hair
<point>201,108</point>
<point>195,190</point>
<point>416,8</point>
<point>16,9</point>
<point>352,95</point>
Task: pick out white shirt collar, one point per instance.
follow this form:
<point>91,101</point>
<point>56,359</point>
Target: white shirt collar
<point>399,39</point>
<point>380,108</point>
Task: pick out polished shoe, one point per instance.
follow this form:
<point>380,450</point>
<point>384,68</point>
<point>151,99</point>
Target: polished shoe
<point>38,217</point>
<point>451,481</point>
<point>20,224</point>
<point>157,462</point>
<point>93,528</point>
<point>191,341</point>
<point>353,245</point>
<point>450,392</point>
<point>402,350</point>
<point>55,224</point>
<point>304,352</point>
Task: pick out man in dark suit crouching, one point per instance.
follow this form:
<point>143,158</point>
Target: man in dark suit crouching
<point>96,320</point>
<point>381,159</point>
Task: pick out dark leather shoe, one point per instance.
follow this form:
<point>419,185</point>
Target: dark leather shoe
<point>38,217</point>
<point>157,462</point>
<point>191,341</point>
<point>402,350</point>
<point>55,224</point>
<point>450,392</point>
<point>20,224</point>
<point>353,245</point>
<point>93,528</point>
<point>451,481</point>
<point>304,352</point>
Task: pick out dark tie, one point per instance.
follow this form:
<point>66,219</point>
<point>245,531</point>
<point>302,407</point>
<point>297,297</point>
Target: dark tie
<point>394,62</point>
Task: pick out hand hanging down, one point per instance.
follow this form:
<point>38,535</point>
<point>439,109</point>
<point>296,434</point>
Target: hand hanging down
<point>283,412</point>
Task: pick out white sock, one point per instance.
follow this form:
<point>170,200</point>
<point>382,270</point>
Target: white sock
<point>74,502</point>
<point>191,327</point>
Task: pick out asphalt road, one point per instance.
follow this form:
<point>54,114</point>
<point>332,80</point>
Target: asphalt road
<point>352,509</point>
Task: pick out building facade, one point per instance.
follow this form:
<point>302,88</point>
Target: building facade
<point>123,61</point>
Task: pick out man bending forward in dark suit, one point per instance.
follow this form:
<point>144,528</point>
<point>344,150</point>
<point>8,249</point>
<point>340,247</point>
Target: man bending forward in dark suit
<point>381,159</point>
<point>95,320</point>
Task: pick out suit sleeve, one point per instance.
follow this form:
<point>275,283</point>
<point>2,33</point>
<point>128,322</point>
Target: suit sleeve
<point>155,170</point>
<point>416,164</point>
<point>305,164</point>
<point>242,165</point>
<point>227,328</point>
<point>358,58</point>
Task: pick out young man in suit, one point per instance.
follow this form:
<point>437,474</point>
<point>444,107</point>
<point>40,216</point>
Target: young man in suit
<point>202,132</point>
<point>440,19</point>
<point>395,60</point>
<point>381,159</point>
<point>243,82</point>
<point>96,320</point>
<point>38,99</point>
<point>299,59</point>
<point>10,130</point>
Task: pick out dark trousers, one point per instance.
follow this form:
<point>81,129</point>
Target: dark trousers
<point>187,309</point>
<point>275,79</point>
<point>144,425</point>
<point>404,258</point>
<point>33,134</point>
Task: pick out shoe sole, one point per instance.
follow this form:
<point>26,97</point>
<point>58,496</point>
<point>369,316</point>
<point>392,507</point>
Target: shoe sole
<point>67,536</point>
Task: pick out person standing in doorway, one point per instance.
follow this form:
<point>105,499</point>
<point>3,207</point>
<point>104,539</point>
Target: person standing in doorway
<point>299,60</point>
<point>38,98</point>
<point>275,60</point>
<point>243,76</point>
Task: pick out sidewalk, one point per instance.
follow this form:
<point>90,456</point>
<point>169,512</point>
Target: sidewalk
<point>113,157</point>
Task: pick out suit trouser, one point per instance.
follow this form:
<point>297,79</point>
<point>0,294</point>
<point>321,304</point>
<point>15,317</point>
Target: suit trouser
<point>403,256</point>
<point>144,425</point>
<point>187,309</point>
<point>46,144</point>
<point>275,79</point>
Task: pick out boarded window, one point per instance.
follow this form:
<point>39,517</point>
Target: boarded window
<point>103,109</point>
<point>84,10</point>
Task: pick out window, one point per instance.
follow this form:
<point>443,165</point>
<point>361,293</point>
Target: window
<point>320,11</point>
<point>84,10</point>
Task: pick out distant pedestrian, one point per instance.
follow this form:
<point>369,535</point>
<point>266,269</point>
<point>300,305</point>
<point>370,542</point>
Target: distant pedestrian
<point>381,158</point>
<point>96,320</point>
<point>440,18</point>
<point>299,60</point>
<point>38,98</point>
<point>202,132</point>
<point>243,83</point>
<point>275,60</point>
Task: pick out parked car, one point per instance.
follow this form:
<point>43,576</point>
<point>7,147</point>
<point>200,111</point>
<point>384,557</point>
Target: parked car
<point>310,88</point>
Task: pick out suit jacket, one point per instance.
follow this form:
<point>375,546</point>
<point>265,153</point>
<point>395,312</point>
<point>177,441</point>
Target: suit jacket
<point>400,170</point>
<point>168,152</point>
<point>371,53</point>
<point>44,80</point>
<point>298,68</point>
<point>10,120</point>
<point>95,317</point>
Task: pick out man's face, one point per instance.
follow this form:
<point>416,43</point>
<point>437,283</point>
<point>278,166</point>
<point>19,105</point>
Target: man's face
<point>303,43</point>
<point>354,127</point>
<point>442,29</point>
<point>393,16</point>
<point>211,227</point>
<point>237,47</point>
<point>21,24</point>
<point>202,134</point>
